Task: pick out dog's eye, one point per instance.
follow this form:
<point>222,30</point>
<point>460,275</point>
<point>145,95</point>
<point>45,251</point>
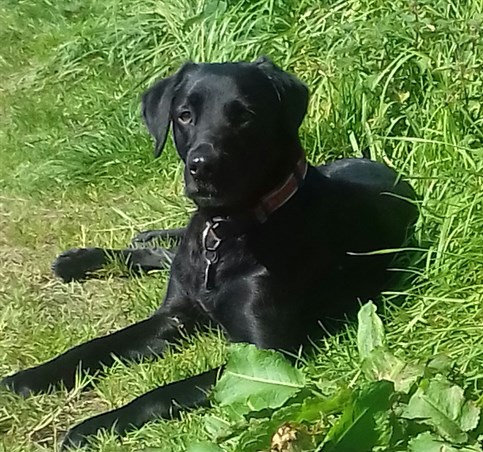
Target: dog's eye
<point>184,117</point>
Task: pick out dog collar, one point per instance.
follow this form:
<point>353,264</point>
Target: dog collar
<point>219,228</point>
<point>278,197</point>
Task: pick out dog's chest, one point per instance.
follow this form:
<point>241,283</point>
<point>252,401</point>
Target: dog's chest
<point>205,268</point>
<point>218,265</point>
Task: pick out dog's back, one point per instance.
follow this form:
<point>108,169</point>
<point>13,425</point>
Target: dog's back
<point>392,200</point>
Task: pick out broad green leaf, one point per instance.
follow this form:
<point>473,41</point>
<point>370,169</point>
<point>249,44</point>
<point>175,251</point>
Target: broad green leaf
<point>380,364</point>
<point>443,406</point>
<point>203,447</point>
<point>256,379</point>
<point>312,408</point>
<point>364,423</point>
<point>427,442</point>
<point>370,332</point>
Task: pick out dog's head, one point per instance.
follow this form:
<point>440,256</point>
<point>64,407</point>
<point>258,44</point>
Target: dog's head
<point>235,127</point>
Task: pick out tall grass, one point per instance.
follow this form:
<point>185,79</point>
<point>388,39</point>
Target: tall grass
<point>397,81</point>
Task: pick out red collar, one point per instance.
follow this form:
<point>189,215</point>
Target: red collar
<point>280,195</point>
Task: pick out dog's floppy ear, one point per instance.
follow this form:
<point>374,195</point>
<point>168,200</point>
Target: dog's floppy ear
<point>156,107</point>
<point>292,93</point>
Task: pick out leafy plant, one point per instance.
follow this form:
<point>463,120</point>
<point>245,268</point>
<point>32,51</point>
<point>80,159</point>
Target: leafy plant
<point>394,406</point>
<point>262,381</point>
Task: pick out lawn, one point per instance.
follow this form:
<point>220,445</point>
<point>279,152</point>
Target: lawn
<point>399,81</point>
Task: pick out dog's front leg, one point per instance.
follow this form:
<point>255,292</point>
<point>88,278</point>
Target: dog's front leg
<point>78,263</point>
<point>165,402</point>
<point>144,339</point>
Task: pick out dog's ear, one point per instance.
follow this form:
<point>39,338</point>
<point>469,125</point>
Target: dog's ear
<point>292,93</point>
<point>156,107</point>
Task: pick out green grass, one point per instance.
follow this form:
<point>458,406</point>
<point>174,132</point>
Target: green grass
<point>398,81</point>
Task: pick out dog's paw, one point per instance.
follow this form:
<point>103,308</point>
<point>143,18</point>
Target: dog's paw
<point>28,382</point>
<point>14,384</point>
<point>77,263</point>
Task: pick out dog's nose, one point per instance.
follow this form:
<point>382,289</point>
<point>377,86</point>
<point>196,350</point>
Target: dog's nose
<point>200,162</point>
<point>195,165</point>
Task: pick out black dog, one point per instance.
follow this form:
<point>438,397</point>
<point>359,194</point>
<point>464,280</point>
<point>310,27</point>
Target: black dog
<point>275,247</point>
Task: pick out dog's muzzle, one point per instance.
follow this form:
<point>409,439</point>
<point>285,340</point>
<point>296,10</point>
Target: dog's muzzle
<point>201,162</point>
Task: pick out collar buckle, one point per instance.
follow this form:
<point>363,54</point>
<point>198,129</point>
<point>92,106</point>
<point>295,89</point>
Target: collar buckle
<point>210,242</point>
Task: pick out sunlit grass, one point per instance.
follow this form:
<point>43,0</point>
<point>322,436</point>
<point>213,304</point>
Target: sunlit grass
<point>397,81</point>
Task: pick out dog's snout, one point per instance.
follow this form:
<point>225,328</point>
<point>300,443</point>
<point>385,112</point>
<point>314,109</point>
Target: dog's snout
<point>200,161</point>
<point>196,164</point>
